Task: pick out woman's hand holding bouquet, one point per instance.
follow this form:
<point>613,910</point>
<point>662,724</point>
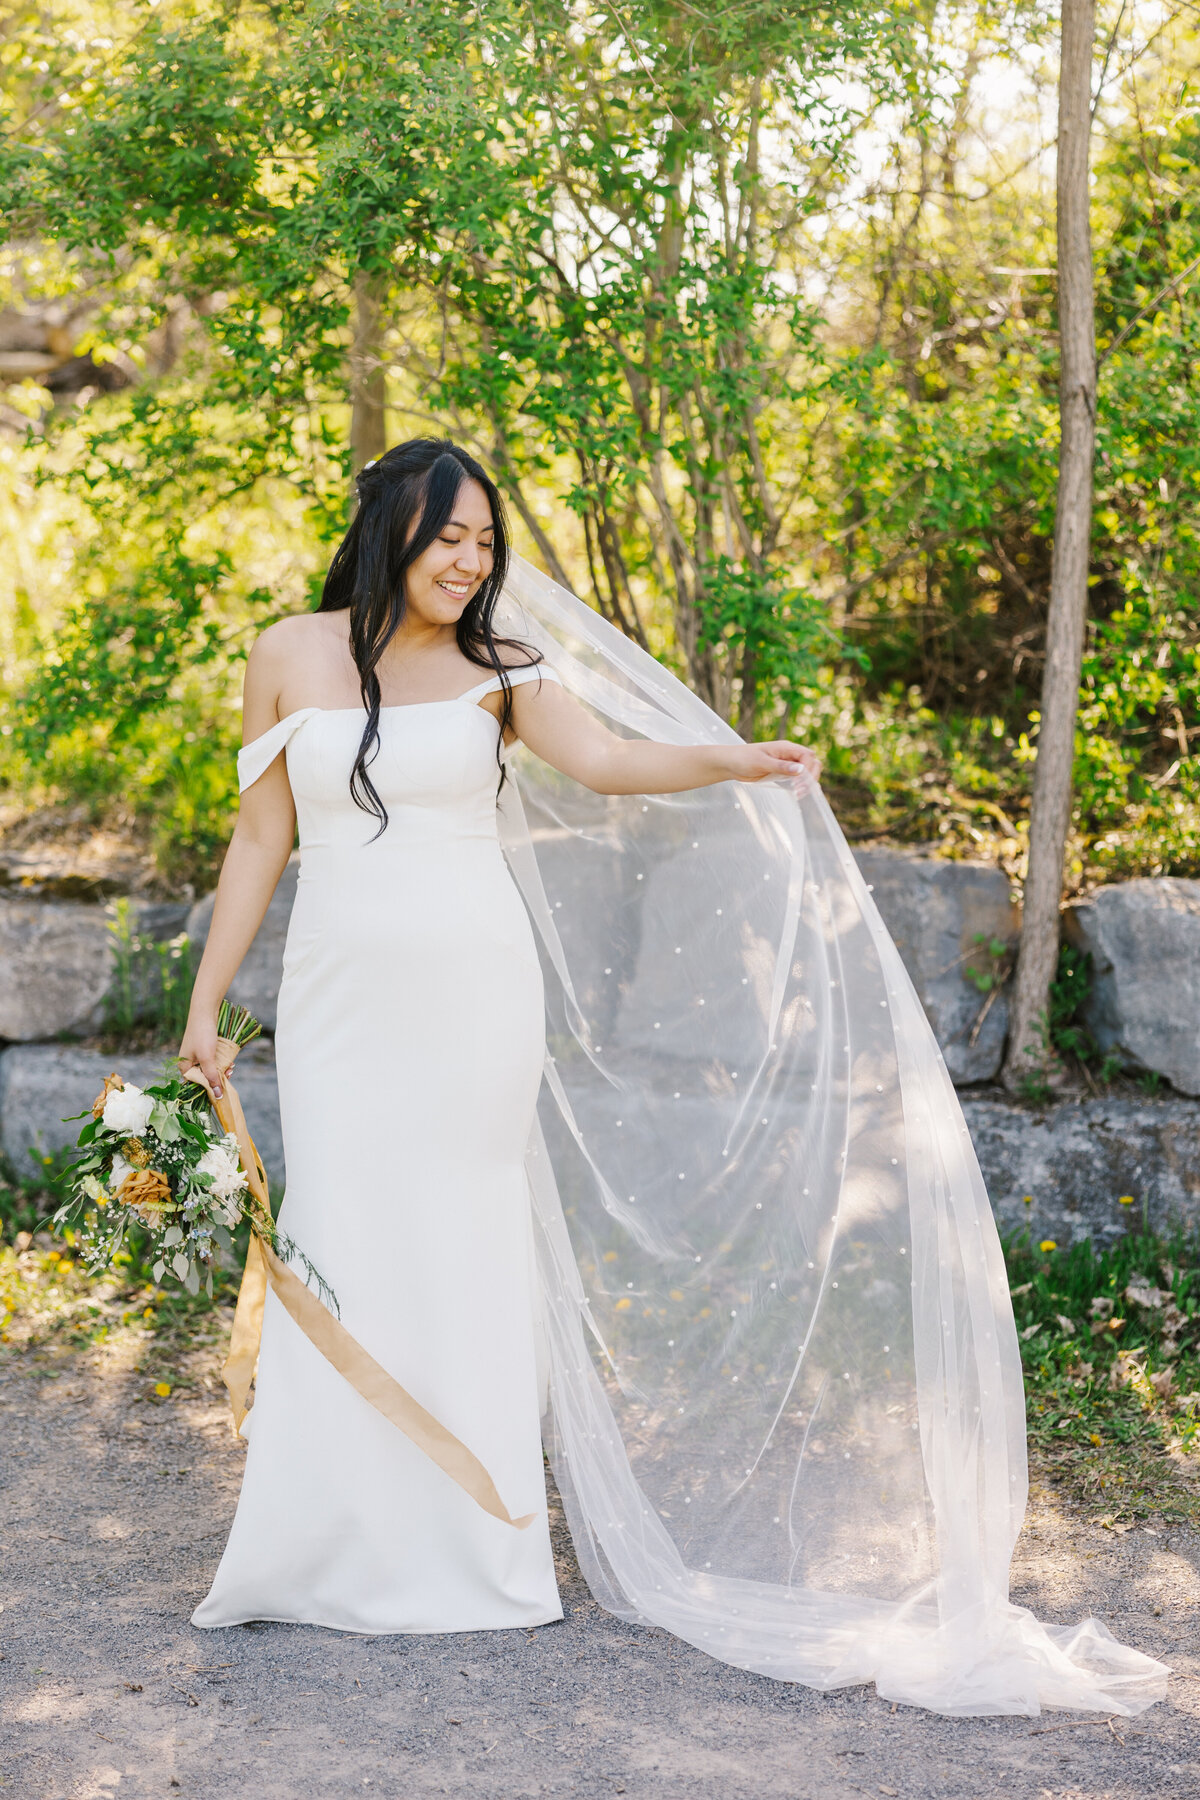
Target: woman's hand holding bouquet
<point>152,1156</point>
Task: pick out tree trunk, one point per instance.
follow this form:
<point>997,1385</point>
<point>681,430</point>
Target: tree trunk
<point>1029,1052</point>
<point>368,398</point>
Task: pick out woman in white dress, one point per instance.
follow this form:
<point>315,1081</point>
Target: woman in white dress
<point>410,1045</point>
<point>614,1122</point>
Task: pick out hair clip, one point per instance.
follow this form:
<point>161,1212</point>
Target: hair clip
<point>370,465</point>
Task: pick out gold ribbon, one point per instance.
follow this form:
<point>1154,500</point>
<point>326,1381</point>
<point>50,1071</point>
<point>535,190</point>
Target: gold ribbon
<point>329,1335</point>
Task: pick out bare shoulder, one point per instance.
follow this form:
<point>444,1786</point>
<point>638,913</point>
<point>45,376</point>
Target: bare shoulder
<point>515,655</point>
<point>301,634</point>
<point>293,645</point>
<point>284,659</point>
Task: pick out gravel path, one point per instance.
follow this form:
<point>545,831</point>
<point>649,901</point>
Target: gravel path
<point>115,1509</point>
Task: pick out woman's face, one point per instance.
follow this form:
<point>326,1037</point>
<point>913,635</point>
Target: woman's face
<point>445,576</point>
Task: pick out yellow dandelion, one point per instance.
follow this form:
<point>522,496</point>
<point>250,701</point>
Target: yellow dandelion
<point>1046,1245</point>
<point>1095,1437</point>
<point>1125,1200</point>
<point>149,1313</point>
<point>1028,1200</point>
<point>162,1389</point>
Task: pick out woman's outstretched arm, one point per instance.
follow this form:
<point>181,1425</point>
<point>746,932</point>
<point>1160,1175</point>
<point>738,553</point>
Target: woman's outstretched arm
<point>563,733</point>
<point>258,850</point>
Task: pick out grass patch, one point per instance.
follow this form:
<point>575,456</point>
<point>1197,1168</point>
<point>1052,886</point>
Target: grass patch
<point>51,1307</point>
<point>1110,1343</point>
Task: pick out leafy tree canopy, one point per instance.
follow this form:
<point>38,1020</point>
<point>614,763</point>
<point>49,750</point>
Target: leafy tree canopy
<point>750,307</point>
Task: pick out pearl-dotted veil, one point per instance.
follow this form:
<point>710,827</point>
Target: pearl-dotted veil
<point>783,1390</point>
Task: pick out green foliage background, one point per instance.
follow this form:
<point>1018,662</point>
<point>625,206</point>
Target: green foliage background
<point>750,308</point>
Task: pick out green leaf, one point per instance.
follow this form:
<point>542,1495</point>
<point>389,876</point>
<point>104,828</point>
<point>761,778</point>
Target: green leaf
<point>166,1124</point>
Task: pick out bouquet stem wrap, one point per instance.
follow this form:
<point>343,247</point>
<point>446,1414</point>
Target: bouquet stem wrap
<point>319,1326</point>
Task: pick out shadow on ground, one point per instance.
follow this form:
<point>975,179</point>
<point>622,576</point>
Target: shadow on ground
<point>115,1511</point>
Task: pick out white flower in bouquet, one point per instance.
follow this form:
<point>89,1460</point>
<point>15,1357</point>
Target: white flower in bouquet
<point>128,1109</point>
<point>222,1164</point>
<point>120,1169</point>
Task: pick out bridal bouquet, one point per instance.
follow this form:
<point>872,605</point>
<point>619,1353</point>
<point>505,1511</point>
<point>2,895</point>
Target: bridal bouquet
<point>152,1156</point>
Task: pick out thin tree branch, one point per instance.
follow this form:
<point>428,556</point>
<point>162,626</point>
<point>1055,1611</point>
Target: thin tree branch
<point>1149,307</point>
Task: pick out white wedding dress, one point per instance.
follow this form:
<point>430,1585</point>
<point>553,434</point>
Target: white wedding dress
<point>729,1243</point>
<point>409,1047</point>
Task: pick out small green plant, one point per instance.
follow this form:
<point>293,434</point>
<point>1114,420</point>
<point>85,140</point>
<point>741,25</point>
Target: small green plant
<point>1064,1032</point>
<point>151,980</point>
<point>175,975</point>
<point>1034,1088</point>
<point>121,1008</point>
<point>1068,994</point>
<point>996,967</point>
<point>995,963</point>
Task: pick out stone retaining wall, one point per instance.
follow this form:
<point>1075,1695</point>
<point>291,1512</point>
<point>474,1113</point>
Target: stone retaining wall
<point>955,924</point>
<point>956,927</point>
<point>1079,1160</point>
<point>1075,1160</point>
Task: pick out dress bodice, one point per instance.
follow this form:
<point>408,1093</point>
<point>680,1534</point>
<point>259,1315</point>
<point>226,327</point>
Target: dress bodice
<point>434,768</point>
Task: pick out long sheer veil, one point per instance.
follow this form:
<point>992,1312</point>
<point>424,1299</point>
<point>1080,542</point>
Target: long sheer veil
<point>783,1391</point>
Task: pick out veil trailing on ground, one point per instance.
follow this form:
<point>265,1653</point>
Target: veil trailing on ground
<point>783,1390</point>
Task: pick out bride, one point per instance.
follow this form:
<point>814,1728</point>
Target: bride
<point>614,1123</point>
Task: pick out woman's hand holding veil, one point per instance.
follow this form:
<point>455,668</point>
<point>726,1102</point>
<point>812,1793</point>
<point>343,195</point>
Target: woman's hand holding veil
<point>761,762</point>
<point>565,734</point>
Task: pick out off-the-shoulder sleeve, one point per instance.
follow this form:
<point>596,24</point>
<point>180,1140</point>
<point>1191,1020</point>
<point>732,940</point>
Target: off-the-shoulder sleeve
<point>535,672</point>
<point>255,759</point>
<point>516,678</point>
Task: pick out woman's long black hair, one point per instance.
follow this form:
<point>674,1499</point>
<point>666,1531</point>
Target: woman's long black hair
<point>412,487</point>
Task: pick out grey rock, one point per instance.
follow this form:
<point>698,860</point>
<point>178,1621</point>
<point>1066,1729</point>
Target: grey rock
<point>256,984</point>
<point>1076,1160</point>
<point>936,910</point>
<point>41,1085</point>
<point>57,962</point>
<point>1144,940</point>
<point>159,920</point>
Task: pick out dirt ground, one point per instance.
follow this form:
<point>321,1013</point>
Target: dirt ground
<point>115,1508</point>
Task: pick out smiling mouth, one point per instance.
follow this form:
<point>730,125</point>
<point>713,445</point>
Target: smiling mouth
<point>456,590</point>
